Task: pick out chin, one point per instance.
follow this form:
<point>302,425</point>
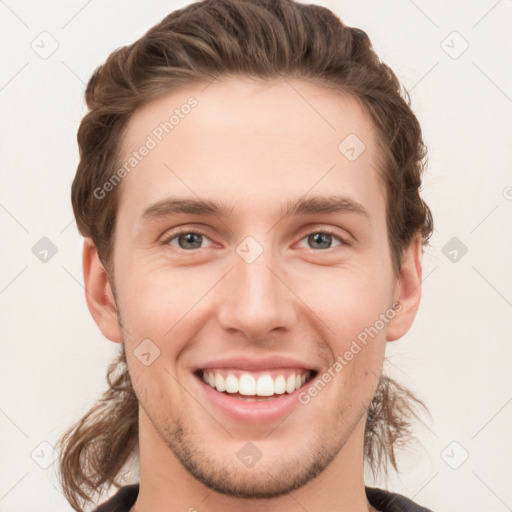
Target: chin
<point>262,476</point>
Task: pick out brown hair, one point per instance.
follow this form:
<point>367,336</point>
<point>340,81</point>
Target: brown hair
<point>263,39</point>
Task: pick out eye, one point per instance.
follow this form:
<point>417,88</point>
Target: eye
<point>323,239</point>
<point>187,240</point>
<point>191,240</point>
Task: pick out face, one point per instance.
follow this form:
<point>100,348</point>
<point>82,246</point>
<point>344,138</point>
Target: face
<point>251,252</point>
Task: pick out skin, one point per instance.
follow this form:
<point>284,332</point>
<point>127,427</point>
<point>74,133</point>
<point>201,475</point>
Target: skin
<point>254,146</point>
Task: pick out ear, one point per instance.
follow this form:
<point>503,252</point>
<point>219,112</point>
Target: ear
<point>407,291</point>
<point>98,293</point>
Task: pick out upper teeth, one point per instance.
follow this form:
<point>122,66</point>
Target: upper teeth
<point>248,384</point>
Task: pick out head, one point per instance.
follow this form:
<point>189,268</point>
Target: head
<point>274,114</point>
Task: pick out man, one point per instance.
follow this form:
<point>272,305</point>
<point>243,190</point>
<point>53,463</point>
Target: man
<point>249,198</point>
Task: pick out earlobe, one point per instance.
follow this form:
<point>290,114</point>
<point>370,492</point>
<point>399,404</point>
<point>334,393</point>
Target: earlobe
<point>98,293</point>
<point>407,291</point>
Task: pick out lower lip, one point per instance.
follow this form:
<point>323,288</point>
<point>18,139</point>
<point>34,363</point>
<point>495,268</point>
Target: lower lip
<point>257,412</point>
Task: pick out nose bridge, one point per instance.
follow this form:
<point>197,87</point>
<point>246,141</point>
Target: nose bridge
<point>257,301</point>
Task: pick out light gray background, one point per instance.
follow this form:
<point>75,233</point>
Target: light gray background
<point>457,356</point>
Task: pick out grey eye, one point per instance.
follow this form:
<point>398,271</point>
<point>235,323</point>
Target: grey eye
<point>189,240</point>
<point>322,240</point>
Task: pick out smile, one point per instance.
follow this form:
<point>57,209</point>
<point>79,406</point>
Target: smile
<point>253,397</point>
<point>256,384</point>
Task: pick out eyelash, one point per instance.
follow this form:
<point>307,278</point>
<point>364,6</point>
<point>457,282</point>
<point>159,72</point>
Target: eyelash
<point>325,231</point>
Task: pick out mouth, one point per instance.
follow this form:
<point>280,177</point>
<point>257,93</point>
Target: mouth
<point>255,386</point>
<point>254,397</point>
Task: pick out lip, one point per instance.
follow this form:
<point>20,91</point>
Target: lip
<point>255,365</point>
<point>257,412</point>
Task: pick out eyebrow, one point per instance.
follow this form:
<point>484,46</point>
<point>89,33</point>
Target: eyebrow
<point>314,205</point>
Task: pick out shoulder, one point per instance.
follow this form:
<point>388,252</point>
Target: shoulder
<point>122,501</point>
<point>386,501</point>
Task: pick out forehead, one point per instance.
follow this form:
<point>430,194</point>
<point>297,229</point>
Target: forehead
<point>248,140</point>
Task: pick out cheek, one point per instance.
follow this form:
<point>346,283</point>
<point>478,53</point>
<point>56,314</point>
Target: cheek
<point>152,301</point>
<point>351,301</point>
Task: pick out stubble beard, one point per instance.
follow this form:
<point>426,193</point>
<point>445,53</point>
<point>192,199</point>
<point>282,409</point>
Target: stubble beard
<point>264,480</point>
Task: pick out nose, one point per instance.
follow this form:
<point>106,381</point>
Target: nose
<point>257,300</point>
